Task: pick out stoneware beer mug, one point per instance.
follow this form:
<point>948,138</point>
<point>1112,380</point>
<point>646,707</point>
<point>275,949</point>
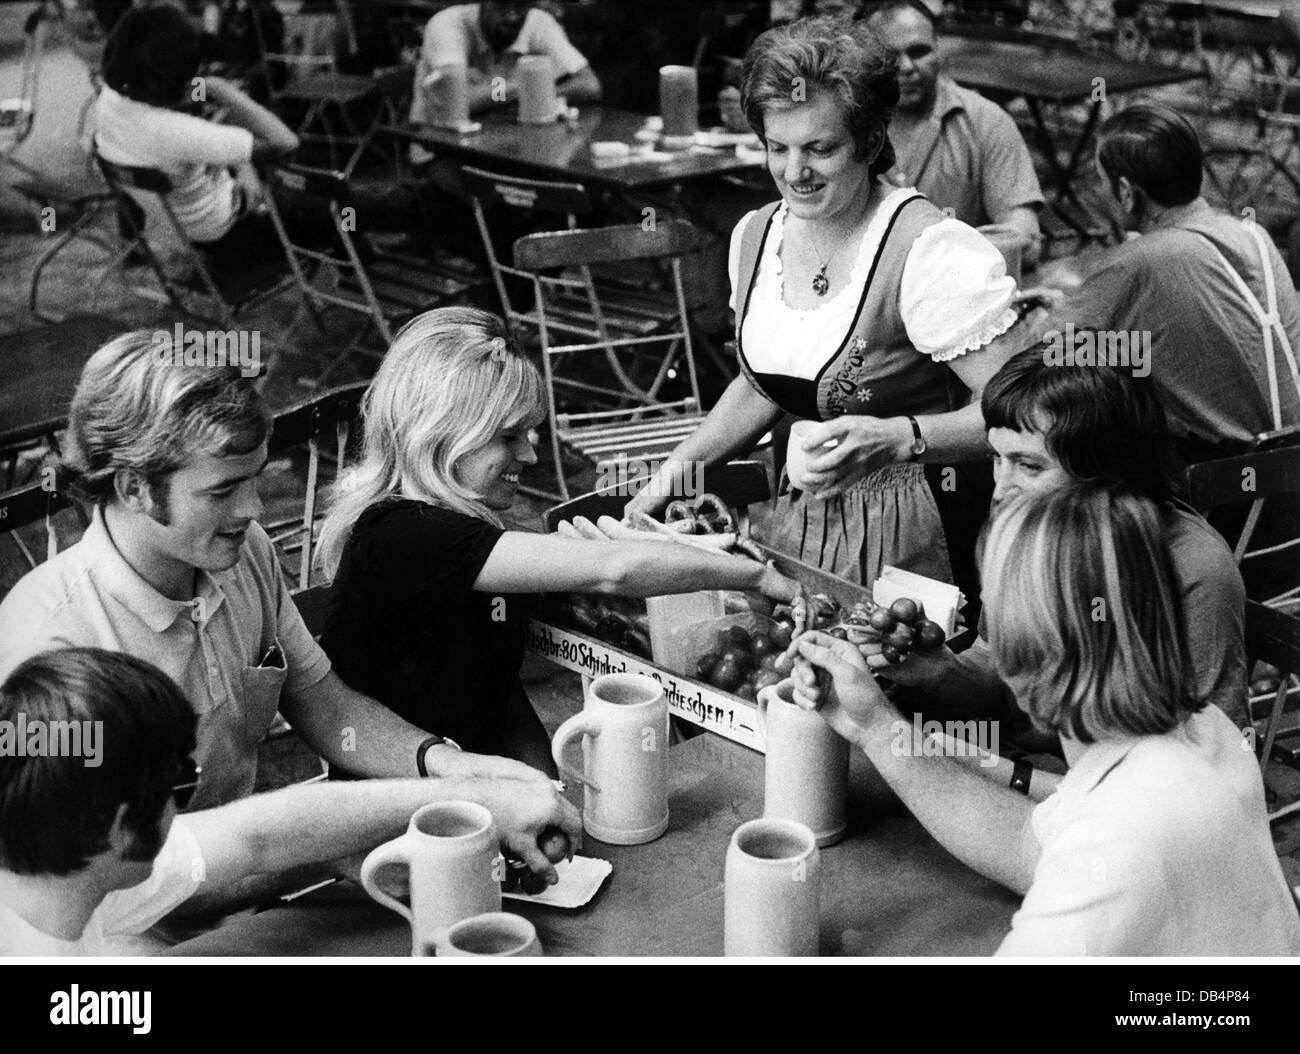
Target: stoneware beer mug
<point>447,95</point>
<point>498,934</point>
<point>679,104</point>
<point>772,890</point>
<point>806,770</point>
<point>451,851</point>
<point>538,103</point>
<point>624,730</point>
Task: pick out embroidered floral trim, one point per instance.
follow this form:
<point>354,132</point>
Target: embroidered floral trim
<point>848,392</point>
<point>985,334</point>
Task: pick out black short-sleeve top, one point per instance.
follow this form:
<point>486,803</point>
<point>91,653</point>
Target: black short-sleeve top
<point>405,626</point>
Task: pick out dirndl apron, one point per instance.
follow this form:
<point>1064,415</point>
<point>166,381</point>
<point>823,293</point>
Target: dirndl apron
<point>920,517</point>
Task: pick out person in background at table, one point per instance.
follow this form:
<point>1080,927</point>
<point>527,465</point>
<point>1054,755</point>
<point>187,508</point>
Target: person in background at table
<point>1207,293</point>
<point>859,306</point>
<point>142,119</point>
<point>960,150</point>
<point>1156,842</point>
<point>93,855</point>
<point>489,38</point>
<point>428,606</point>
<point>1052,426</point>
<point>175,568</point>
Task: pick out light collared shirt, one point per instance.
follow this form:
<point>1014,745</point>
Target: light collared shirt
<point>232,650</point>
<point>1158,845</point>
<point>119,925</point>
<point>454,36</point>
<point>968,155</point>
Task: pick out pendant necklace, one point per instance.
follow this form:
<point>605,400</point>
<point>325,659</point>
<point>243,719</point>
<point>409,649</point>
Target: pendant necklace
<point>821,284</point>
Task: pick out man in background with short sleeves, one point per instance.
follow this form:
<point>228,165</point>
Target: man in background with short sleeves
<point>489,38</point>
<point>960,150</point>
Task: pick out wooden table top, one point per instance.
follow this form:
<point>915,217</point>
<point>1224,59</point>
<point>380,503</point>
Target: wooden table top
<point>41,368</point>
<point>1055,74</point>
<point>887,889</point>
<point>563,151</point>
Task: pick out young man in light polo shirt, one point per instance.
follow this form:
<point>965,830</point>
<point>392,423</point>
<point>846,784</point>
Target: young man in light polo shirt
<point>175,569</point>
<point>960,150</point>
<point>489,38</point>
<point>91,851</point>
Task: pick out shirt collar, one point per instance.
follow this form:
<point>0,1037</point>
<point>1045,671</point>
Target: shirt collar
<point>947,98</point>
<point>120,580</point>
<point>1096,762</point>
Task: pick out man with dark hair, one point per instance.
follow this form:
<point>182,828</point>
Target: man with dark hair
<point>1050,425</point>
<point>489,39</point>
<point>151,81</point>
<point>175,568</point>
<point>93,855</point>
<point>959,149</point>
<point>1208,291</point>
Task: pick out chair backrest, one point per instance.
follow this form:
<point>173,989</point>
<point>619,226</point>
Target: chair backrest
<point>535,197</point>
<point>333,190</point>
<point>122,180</point>
<point>1253,477</point>
<point>626,242</point>
<point>26,506</point>
<point>323,184</point>
<point>135,177</point>
<point>1273,636</point>
<point>540,203</point>
<point>309,422</point>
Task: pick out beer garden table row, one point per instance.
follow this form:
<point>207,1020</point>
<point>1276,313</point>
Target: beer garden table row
<point>887,889</point>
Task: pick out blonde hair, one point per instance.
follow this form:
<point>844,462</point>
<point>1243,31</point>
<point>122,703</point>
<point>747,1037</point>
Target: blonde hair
<point>1084,615</point>
<point>452,380</point>
<point>140,408</point>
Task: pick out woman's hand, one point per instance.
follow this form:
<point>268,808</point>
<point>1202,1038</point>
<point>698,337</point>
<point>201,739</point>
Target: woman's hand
<point>854,701</point>
<point>651,499</point>
<point>862,445</point>
<point>776,586</point>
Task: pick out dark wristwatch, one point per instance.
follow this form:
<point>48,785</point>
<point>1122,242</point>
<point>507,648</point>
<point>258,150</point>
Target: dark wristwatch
<point>918,440</point>
<point>423,749</point>
<point>1020,777</point>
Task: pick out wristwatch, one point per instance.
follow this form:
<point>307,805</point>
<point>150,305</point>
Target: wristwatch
<point>423,749</point>
<point>1021,774</point>
<point>918,440</point>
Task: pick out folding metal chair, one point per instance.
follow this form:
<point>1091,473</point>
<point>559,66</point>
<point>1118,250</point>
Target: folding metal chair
<point>1255,477</point>
<point>28,506</point>
<point>225,301</point>
<point>309,424</point>
<point>533,205</point>
<point>643,426</point>
<point>1273,637</point>
<point>386,287</point>
<point>314,83</point>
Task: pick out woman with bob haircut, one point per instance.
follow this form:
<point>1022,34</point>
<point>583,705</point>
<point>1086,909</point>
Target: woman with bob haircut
<point>1156,842</point>
<point>1050,426</point>
<point>861,308</point>
<point>429,599</point>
